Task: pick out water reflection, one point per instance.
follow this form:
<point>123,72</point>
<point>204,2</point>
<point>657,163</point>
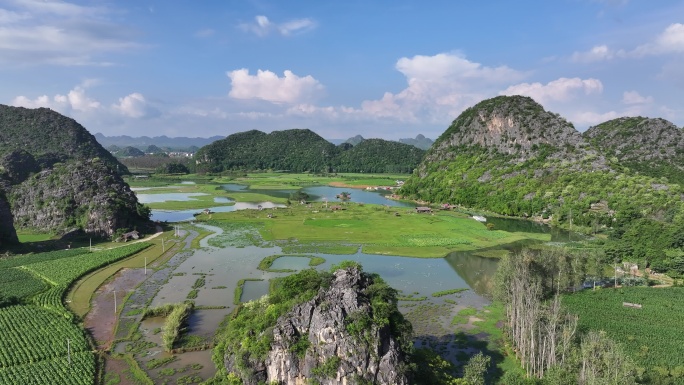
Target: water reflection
<point>189,215</point>
<point>329,193</point>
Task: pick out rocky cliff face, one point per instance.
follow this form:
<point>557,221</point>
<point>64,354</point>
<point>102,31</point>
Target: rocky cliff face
<point>516,126</point>
<point>79,194</point>
<point>637,138</point>
<point>341,343</point>
<point>654,147</point>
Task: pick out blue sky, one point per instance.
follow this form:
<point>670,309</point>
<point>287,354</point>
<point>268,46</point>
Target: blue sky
<point>383,69</point>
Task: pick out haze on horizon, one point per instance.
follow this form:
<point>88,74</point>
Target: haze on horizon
<point>380,69</point>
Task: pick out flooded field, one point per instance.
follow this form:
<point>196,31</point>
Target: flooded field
<point>221,270</point>
<point>442,297</point>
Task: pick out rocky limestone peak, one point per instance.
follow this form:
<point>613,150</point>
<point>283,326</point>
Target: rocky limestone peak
<point>637,138</point>
<point>512,125</point>
<point>515,126</point>
<point>343,343</point>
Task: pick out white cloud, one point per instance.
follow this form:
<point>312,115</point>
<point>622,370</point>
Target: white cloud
<point>135,106</point>
<point>562,89</point>
<point>266,85</point>
<point>8,17</point>
<point>597,53</point>
<point>74,100</point>
<point>57,7</point>
<point>439,88</point>
<point>262,26</point>
<point>633,97</point>
<point>591,118</point>
<point>669,41</point>
<point>59,33</point>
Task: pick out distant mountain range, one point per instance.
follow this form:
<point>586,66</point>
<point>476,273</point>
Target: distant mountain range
<point>192,144</point>
<point>419,141</point>
<point>143,142</point>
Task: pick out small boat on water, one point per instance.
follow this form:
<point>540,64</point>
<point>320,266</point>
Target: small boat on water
<point>479,218</point>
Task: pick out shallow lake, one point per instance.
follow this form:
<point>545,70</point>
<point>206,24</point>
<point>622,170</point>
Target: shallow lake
<point>166,197</point>
<point>329,193</point>
<point>189,215</point>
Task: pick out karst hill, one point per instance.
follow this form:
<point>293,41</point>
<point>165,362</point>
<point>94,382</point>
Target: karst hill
<point>511,156</point>
<point>55,177</point>
<point>302,150</point>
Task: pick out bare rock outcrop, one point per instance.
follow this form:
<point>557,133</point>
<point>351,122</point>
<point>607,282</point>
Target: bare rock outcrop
<point>333,339</point>
<point>82,194</point>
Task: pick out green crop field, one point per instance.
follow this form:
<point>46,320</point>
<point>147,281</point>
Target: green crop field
<point>19,283</point>
<point>652,335</point>
<point>40,343</point>
<point>67,270</point>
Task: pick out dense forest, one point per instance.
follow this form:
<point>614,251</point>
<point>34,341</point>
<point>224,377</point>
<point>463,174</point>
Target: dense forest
<point>302,150</point>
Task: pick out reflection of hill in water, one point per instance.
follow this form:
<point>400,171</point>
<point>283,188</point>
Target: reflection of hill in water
<point>478,272</point>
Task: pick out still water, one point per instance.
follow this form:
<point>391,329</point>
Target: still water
<point>316,193</point>
<point>329,193</point>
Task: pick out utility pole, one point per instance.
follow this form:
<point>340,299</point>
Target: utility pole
<point>114,302</point>
<point>145,265</point>
<point>69,350</point>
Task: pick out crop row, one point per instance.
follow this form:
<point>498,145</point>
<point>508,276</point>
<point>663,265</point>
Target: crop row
<point>69,269</point>
<point>24,260</point>
<point>19,283</point>
<point>31,334</point>
<point>80,371</point>
<point>650,334</point>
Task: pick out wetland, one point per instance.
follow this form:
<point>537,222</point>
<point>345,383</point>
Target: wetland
<point>441,263</point>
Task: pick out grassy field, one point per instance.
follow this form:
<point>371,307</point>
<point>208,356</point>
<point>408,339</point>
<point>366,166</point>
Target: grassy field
<point>79,296</point>
<point>377,229</point>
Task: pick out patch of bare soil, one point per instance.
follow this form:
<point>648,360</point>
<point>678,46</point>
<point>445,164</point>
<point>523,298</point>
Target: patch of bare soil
<point>116,369</point>
<point>101,319</point>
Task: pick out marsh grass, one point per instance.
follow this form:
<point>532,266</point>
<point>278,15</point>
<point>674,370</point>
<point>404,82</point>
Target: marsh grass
<point>378,230</point>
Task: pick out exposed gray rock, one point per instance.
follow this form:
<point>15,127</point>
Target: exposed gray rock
<point>85,194</point>
<point>653,147</point>
<point>373,355</point>
<point>56,176</point>
<point>516,126</point>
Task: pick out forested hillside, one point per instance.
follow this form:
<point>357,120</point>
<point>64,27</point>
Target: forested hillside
<point>303,150</point>
<point>378,155</point>
<point>49,137</point>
